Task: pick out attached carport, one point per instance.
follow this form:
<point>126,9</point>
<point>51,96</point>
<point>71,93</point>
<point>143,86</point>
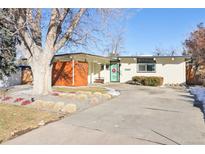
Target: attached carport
<point>77,69</point>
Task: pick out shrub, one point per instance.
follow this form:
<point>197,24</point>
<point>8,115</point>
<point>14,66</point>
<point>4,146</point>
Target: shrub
<point>137,78</point>
<point>6,98</point>
<point>18,100</point>
<point>26,102</point>
<point>148,80</point>
<point>55,94</point>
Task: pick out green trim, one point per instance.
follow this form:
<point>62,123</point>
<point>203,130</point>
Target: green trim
<point>117,65</point>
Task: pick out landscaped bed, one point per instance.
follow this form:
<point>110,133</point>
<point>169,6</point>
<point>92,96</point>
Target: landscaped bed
<point>21,112</point>
<point>84,89</point>
<point>16,120</point>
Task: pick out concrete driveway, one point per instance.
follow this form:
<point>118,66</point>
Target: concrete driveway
<point>140,115</point>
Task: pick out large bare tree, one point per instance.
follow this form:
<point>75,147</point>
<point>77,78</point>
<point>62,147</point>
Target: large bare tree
<point>43,32</point>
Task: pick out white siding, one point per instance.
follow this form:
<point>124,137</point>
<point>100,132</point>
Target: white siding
<point>126,75</point>
<point>173,71</point>
<point>105,74</point>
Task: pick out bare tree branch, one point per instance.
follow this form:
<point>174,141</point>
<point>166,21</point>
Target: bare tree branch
<point>61,20</point>
<point>52,29</point>
<point>34,23</point>
<point>25,36</point>
<point>68,34</point>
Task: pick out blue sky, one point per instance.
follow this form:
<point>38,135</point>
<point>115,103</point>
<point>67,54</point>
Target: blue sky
<point>149,29</point>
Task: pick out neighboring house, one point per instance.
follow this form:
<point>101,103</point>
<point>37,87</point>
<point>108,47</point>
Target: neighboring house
<point>14,79</point>
<point>22,75</point>
<point>80,69</point>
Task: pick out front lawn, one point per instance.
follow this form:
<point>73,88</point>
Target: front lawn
<point>16,120</point>
<point>84,89</point>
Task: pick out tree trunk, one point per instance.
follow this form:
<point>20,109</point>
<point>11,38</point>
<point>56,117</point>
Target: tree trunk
<point>41,70</point>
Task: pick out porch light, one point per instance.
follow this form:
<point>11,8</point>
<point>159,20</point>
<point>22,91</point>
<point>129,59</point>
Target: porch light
<point>154,59</point>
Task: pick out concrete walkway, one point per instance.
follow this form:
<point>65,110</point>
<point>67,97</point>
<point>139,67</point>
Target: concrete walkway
<point>140,115</point>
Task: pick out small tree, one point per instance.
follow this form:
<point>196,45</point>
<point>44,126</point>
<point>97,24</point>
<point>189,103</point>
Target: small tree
<point>158,52</point>
<point>115,47</point>
<point>165,52</point>
<point>8,40</point>
<point>195,46</point>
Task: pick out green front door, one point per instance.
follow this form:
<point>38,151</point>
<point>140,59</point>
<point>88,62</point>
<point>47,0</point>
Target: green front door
<point>114,72</point>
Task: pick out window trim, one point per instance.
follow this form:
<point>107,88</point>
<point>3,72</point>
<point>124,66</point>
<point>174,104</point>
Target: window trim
<point>146,64</point>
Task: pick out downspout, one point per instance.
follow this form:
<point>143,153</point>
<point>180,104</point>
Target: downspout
<point>73,72</point>
<point>93,69</point>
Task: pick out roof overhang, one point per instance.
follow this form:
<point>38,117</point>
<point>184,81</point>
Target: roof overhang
<point>82,57</point>
<point>187,57</point>
<point>132,59</point>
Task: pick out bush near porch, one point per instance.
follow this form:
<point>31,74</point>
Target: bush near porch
<point>148,80</point>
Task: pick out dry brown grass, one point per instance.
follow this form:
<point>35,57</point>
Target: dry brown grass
<point>16,120</point>
<point>78,89</point>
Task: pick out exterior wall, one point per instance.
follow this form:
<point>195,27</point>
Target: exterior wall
<point>63,73</point>
<point>81,74</point>
<point>105,74</point>
<point>126,75</point>
<point>173,71</point>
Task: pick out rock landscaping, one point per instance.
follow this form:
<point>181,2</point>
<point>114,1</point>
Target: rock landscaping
<point>64,100</point>
<point>36,111</point>
<point>69,108</point>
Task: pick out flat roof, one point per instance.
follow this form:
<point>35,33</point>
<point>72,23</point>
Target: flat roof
<point>138,56</point>
<point>79,53</point>
<point>82,57</point>
<point>142,56</point>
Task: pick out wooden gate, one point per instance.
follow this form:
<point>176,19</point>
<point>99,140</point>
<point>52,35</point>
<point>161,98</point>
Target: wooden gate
<point>26,77</point>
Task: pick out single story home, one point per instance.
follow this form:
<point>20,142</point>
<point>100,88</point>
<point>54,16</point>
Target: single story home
<point>81,69</point>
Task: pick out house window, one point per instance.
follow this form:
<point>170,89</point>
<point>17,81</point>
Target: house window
<point>143,68</point>
<point>150,67</point>
<point>146,65</point>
